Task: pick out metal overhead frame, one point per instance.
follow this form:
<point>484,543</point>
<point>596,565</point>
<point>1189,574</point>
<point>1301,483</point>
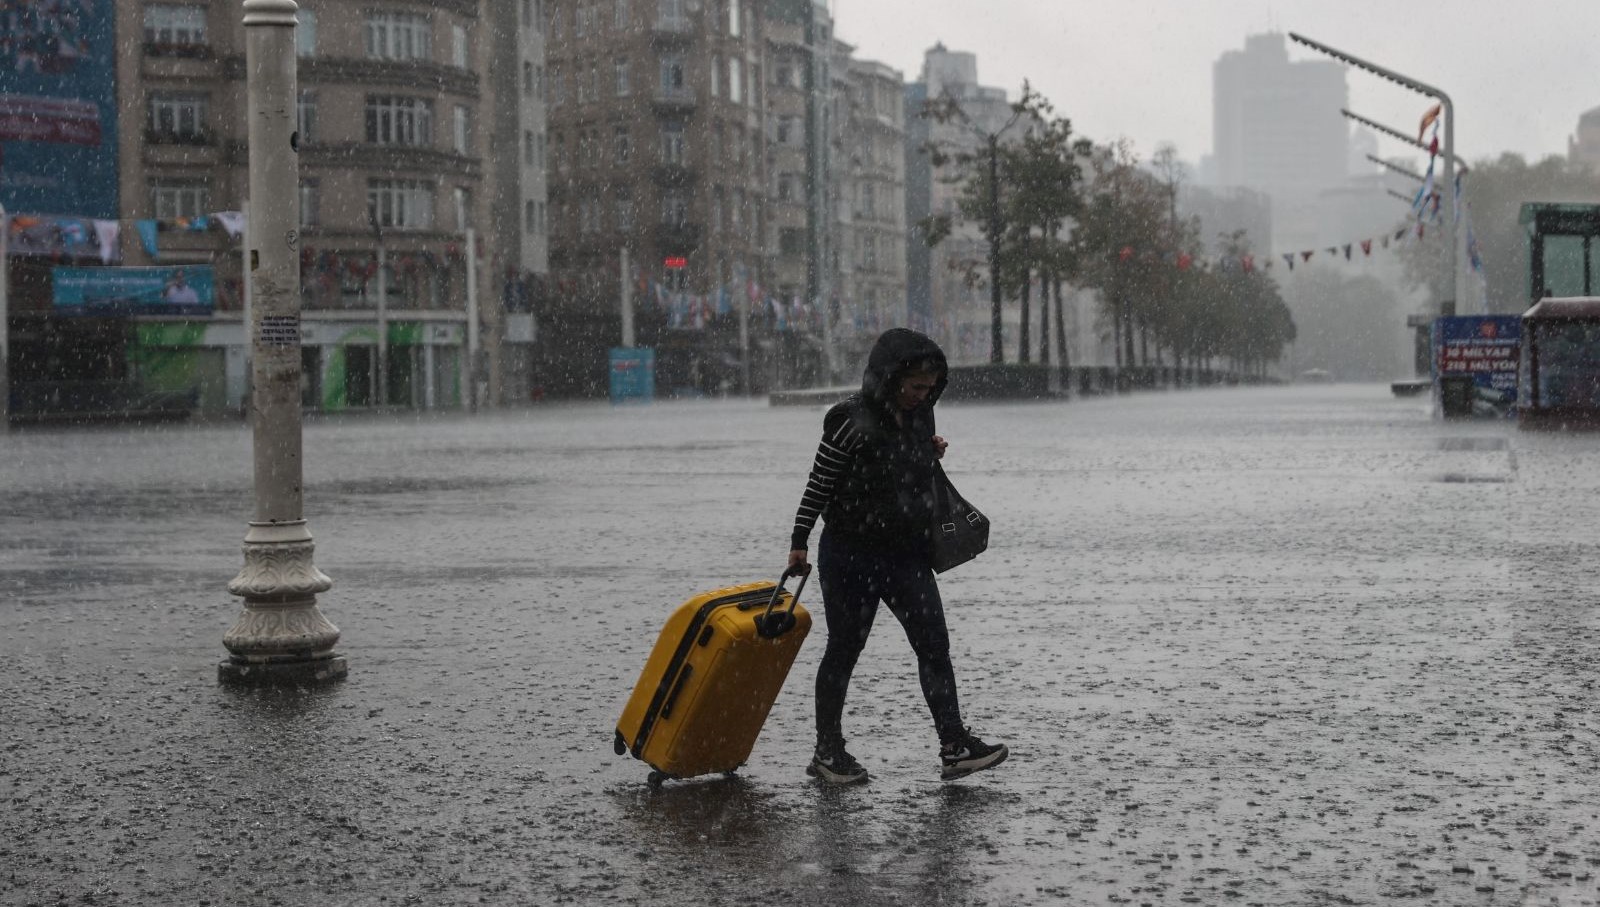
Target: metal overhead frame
<point>1422,88</point>
<point>1395,133</point>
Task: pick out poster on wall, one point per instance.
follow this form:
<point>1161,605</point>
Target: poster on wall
<point>58,115</point>
<point>1482,349</point>
<point>112,292</point>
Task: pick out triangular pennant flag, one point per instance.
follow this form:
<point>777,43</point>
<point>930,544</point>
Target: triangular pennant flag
<point>1346,251</point>
<point>1332,250</point>
<point>1248,262</point>
<point>1427,119</point>
<point>1306,255</point>
<point>1288,258</point>
<point>147,235</point>
<point>1385,240</point>
<point>1366,247</point>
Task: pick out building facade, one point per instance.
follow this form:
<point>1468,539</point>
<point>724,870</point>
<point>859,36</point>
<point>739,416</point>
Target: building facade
<point>395,120</point>
<point>947,283</point>
<point>1277,128</point>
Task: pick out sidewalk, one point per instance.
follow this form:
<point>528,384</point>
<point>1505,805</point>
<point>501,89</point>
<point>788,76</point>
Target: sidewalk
<point>1248,646</point>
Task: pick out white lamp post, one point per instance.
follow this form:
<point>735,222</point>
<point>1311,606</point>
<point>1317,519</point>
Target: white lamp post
<point>281,637</point>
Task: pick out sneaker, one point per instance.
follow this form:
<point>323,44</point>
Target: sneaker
<point>836,767</point>
<point>967,755</point>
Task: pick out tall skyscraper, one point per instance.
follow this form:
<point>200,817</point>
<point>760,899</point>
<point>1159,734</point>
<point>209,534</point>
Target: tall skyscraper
<point>1277,129</point>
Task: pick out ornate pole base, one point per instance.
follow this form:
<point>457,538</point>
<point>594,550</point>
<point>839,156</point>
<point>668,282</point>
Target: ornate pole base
<point>281,638</point>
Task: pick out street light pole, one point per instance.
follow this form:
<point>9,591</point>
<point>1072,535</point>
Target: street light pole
<point>1456,233</point>
<point>5,327</point>
<point>281,637</point>
<point>997,353</point>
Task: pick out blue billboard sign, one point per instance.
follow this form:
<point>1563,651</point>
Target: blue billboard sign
<point>58,108</point>
<point>187,290</point>
<point>1485,349</point>
<point>633,374</point>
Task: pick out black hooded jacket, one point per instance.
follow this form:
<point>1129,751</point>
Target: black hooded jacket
<point>873,477</point>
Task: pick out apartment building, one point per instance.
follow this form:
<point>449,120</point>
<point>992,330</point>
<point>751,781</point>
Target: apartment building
<point>656,155</point>
<point>395,121</point>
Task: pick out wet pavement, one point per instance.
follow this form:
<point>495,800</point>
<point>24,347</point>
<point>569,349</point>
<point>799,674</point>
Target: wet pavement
<point>1274,646</point>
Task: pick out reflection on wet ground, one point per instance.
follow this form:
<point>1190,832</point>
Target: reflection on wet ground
<point>1271,646</point>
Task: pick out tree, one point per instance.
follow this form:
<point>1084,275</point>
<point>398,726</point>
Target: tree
<point>1496,190</point>
<point>979,170</point>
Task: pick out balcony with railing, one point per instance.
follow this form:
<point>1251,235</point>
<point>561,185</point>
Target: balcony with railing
<point>678,237</point>
<point>674,99</point>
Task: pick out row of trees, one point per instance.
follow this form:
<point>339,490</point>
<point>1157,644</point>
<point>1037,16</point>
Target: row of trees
<point>1057,210</point>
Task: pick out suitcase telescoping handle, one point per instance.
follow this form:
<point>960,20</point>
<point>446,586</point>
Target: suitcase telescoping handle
<point>773,624</point>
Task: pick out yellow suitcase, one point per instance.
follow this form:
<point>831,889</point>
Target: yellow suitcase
<point>712,677</point>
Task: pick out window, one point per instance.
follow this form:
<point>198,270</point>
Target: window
<point>173,28</point>
<point>620,12</point>
<point>716,76</point>
<point>622,145</point>
<point>792,242</point>
<point>624,209</point>
<point>591,85</point>
<point>589,214</point>
<point>527,14</point>
<point>458,46</point>
<point>399,121</point>
<point>670,15</point>
<point>586,149</point>
<point>398,36</point>
<point>717,134</point>
<point>621,71</point>
<point>173,198</point>
<point>530,217</point>
<point>734,26</point>
<point>461,130</point>
<point>558,86</point>
<point>544,19</point>
<point>869,207</point>
<point>305,34</point>
<point>528,152</point>
<point>179,118</point>
<point>719,202</point>
<point>788,187</point>
<point>736,213</point>
<point>674,207</point>
<point>305,117</point>
<point>402,204</point>
<point>674,147</point>
<point>583,20</point>
<point>735,80</point>
<point>463,200</point>
<point>787,130</point>
<point>672,74</point>
<point>560,155</point>
<point>528,84</point>
<point>539,157</point>
<point>310,202</point>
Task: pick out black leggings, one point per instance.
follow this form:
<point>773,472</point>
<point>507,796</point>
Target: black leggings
<point>854,579</point>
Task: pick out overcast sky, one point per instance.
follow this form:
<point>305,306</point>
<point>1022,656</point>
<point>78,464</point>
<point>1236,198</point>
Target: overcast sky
<point>1520,72</point>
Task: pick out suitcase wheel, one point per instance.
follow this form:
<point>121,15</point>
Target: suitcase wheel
<point>620,744</point>
<point>654,779</point>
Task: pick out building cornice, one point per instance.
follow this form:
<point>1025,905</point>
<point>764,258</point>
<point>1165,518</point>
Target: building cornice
<point>409,74</point>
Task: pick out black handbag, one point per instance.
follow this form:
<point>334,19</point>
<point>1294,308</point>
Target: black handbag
<point>960,532</point>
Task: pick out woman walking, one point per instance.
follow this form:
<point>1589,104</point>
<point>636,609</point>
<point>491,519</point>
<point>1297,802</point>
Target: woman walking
<point>871,484</point>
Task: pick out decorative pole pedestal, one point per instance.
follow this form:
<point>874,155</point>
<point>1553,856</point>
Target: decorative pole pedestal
<point>281,638</point>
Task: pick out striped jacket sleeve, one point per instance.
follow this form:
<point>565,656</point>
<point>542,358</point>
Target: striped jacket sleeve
<point>840,442</point>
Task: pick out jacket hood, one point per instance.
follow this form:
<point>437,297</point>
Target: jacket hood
<point>897,350</point>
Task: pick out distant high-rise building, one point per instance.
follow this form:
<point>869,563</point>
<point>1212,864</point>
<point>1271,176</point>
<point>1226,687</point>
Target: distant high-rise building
<point>1584,147</point>
<point>1277,128</point>
<point>954,310</point>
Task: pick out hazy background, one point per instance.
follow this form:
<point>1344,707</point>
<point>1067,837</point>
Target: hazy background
<point>1519,74</point>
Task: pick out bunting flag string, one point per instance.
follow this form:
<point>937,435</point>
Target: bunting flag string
<point>84,237</point>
